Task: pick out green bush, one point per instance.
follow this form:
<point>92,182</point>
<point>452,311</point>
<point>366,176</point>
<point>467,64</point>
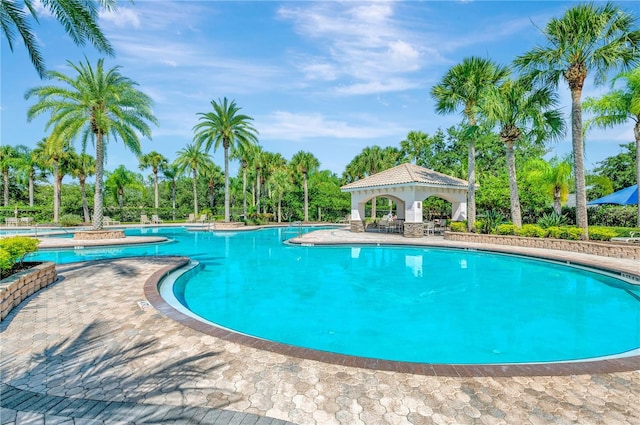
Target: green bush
<point>601,233</point>
<point>14,249</point>
<point>490,220</point>
<point>6,262</point>
<point>68,220</point>
<point>506,229</point>
<point>458,226</point>
<point>531,231</point>
<point>613,215</point>
<point>552,220</point>
<point>571,233</point>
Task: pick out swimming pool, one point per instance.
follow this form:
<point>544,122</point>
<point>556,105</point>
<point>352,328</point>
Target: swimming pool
<point>397,303</point>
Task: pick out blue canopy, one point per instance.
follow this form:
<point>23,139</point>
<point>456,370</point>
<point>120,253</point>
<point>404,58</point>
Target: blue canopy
<point>626,196</point>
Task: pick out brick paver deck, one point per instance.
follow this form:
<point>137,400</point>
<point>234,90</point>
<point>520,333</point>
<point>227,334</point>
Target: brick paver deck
<point>90,341</point>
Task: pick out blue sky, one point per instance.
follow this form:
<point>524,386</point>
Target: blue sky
<point>326,77</point>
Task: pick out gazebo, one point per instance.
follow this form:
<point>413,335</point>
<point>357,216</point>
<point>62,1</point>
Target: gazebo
<point>407,185</point>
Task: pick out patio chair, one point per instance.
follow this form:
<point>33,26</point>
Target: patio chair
<point>203,218</point>
<point>26,221</point>
<point>192,218</point>
<point>429,228</point>
<point>632,238</point>
<point>108,221</point>
<point>144,219</point>
<point>11,221</point>
<point>155,219</point>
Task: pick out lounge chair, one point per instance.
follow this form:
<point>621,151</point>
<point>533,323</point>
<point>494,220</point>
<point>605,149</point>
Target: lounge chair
<point>203,218</point>
<point>107,221</point>
<point>11,221</point>
<point>192,218</point>
<point>144,219</point>
<point>155,219</point>
<point>632,238</point>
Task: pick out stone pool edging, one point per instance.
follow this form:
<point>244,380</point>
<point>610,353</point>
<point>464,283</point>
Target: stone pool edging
<point>18,287</point>
<point>600,248</point>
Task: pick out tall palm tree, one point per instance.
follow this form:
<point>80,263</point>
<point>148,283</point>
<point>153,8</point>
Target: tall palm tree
<point>83,166</point>
<point>415,146</point>
<point>463,87</point>
<point>58,155</point>
<point>588,37</point>
<point>156,161</point>
<point>280,183</point>
<point>78,18</point>
<point>245,153</point>
<point>171,172</point>
<point>225,127</point>
<point>8,156</point>
<point>617,107</point>
<point>29,163</point>
<point>522,112</point>
<point>305,163</point>
<point>94,105</point>
<point>211,173</point>
<point>119,180</point>
<point>193,158</point>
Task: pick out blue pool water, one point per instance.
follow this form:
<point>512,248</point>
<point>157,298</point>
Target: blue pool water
<point>397,303</point>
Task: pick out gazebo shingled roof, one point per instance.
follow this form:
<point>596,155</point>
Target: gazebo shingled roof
<point>406,173</point>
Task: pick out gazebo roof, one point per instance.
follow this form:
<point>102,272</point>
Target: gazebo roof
<point>406,174</point>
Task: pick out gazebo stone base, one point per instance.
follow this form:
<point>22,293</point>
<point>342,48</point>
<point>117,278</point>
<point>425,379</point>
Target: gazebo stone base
<point>357,226</point>
<point>413,230</point>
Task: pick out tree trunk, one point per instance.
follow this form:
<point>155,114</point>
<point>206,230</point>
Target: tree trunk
<point>471,194</point>
<point>83,192</point>
<point>56,197</point>
<point>244,192</point>
<point>306,198</point>
<point>97,197</point>
<point>578,161</point>
<point>195,193</point>
<point>516,215</point>
<point>257,203</point>
<point>279,208</point>
<point>31,178</point>
<point>557,206</point>
<point>155,186</point>
<point>226,184</point>
<point>5,175</point>
<point>173,199</point>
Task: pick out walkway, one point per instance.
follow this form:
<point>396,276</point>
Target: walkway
<point>92,338</point>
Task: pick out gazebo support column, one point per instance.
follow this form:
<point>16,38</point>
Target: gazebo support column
<point>458,211</point>
<point>357,214</point>
<point>357,226</point>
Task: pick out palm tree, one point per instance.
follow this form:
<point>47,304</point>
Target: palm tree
<point>522,112</point>
<point>119,180</point>
<point>463,87</point>
<point>78,18</point>
<point>245,153</point>
<point>94,105</point>
<point>8,156</point>
<point>589,37</point>
<point>171,172</point>
<point>225,127</point>
<point>554,176</point>
<point>415,146</point>
<point>29,162</point>
<point>83,166</point>
<point>280,183</point>
<point>617,107</point>
<point>56,154</point>
<point>211,173</point>
<point>191,157</point>
<point>305,163</point>
<point>156,161</point>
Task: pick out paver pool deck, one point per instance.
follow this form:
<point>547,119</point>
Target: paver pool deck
<point>100,354</point>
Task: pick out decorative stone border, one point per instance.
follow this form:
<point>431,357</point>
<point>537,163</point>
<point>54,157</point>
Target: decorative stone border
<point>604,249</point>
<point>91,235</point>
<point>16,288</point>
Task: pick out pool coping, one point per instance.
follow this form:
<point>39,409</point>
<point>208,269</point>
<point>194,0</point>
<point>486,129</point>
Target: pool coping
<point>579,367</point>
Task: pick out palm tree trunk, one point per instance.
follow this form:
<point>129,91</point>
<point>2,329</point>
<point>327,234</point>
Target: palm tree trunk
<point>31,178</point>
<point>578,161</point>
<point>471,192</point>
<point>195,192</point>
<point>257,203</point>
<point>279,208</point>
<point>226,184</point>
<point>56,197</point>
<point>516,215</point>
<point>83,192</point>
<point>155,186</point>
<point>244,192</point>
<point>557,205</point>
<point>5,175</point>
<point>636,133</point>
<point>173,199</point>
<point>306,198</point>
<point>97,197</point>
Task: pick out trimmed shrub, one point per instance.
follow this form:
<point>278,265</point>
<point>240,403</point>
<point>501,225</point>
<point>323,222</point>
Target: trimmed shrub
<point>69,220</point>
<point>506,229</point>
<point>458,226</point>
<point>14,249</point>
<point>489,221</point>
<point>571,233</point>
<point>602,233</point>
<point>531,231</point>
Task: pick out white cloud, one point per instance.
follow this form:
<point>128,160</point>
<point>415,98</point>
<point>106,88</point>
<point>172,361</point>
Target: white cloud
<point>285,125</point>
<point>121,17</point>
